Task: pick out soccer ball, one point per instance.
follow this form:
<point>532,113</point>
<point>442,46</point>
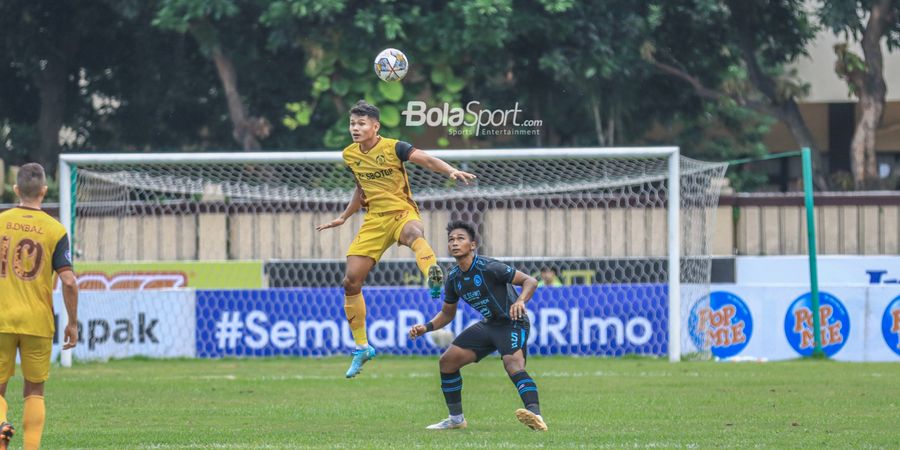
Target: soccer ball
<point>391,65</point>
<point>442,338</point>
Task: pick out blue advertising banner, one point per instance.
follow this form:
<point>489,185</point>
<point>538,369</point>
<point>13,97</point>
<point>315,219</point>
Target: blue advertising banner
<point>608,320</point>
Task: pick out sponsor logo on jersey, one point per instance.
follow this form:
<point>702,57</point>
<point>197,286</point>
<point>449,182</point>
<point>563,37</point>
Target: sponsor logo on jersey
<point>834,324</point>
<point>375,175</point>
<point>478,280</point>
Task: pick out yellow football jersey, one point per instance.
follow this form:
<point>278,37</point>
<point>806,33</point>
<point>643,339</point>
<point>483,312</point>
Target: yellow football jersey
<point>381,175</point>
<point>33,247</point>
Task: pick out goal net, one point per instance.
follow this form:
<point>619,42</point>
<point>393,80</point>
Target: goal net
<point>626,231</point>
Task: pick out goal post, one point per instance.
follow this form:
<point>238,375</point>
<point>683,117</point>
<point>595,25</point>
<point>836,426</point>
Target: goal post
<point>623,216</point>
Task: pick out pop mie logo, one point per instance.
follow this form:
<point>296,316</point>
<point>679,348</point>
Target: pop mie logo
<point>890,325</point>
<point>722,322</point>
<point>834,324</point>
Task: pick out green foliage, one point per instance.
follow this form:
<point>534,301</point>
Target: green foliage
<point>179,14</point>
<point>849,18</point>
<point>302,63</point>
<point>740,135</point>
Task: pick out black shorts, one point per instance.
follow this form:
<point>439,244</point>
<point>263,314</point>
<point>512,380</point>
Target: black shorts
<point>485,338</point>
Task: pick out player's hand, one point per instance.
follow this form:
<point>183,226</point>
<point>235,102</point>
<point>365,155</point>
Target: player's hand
<point>459,175</point>
<point>517,310</point>
<point>416,331</point>
<point>70,337</point>
<point>334,223</point>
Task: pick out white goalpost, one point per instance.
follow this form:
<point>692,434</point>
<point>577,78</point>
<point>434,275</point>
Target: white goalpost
<point>632,225</point>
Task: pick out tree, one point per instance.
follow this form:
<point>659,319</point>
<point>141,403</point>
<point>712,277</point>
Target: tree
<point>48,47</point>
<point>738,50</point>
<point>349,33</point>
<point>864,76</point>
<point>203,19</point>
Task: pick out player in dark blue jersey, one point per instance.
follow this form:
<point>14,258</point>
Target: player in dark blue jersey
<point>486,285</point>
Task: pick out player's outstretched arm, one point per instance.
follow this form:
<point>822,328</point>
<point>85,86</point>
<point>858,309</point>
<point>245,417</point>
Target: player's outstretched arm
<point>355,203</point>
<point>440,320</point>
<point>70,298</point>
<point>529,284</point>
<point>436,165</point>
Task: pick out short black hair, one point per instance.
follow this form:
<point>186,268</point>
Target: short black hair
<point>31,179</point>
<point>549,269</point>
<point>459,224</point>
<point>362,108</point>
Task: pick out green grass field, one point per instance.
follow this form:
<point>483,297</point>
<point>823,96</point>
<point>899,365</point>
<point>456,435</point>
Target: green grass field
<point>587,402</point>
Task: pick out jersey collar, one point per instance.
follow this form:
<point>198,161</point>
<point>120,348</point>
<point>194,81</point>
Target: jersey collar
<point>359,146</point>
<point>474,260</point>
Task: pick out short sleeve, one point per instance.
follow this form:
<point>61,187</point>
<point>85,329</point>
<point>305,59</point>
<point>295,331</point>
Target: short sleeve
<point>501,272</point>
<point>62,256</point>
<point>403,149</point>
<point>450,294</point>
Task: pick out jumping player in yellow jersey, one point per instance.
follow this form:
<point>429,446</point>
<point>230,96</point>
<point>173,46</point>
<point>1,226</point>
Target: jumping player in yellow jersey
<point>33,248</point>
<point>391,215</point>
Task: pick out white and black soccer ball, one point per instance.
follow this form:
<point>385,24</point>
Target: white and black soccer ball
<point>441,338</point>
<point>391,65</point>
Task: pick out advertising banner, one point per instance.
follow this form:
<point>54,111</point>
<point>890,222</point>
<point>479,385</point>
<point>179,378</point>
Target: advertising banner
<point>117,276</point>
<point>609,320</point>
<point>776,323</point>
<point>122,324</point>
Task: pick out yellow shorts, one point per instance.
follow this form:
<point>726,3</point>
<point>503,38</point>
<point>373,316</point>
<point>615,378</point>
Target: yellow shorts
<point>379,232</point>
<point>35,353</point>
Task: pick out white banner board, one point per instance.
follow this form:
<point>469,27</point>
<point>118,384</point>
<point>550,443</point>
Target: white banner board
<point>775,323</point>
<point>833,270</point>
<point>122,324</point>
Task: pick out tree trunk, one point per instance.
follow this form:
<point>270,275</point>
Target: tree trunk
<point>51,82</point>
<point>789,113</point>
<point>598,123</point>
<point>243,130</point>
<point>862,149</point>
<point>871,92</point>
<point>611,125</point>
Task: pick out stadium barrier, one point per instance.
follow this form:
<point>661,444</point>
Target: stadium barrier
<point>859,323</point>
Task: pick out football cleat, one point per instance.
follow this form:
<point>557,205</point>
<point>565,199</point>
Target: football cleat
<point>531,420</point>
<point>448,424</point>
<point>7,431</point>
<point>435,281</point>
<point>359,358</point>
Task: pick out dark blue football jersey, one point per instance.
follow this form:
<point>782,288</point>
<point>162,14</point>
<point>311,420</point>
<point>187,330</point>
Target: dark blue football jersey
<point>486,286</point>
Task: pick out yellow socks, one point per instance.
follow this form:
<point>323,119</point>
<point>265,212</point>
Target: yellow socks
<point>3,408</point>
<point>33,421</point>
<point>424,255</point>
<point>355,308</point>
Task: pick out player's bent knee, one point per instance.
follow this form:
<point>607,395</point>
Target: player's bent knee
<point>452,360</point>
<point>410,233</point>
<point>352,286</point>
<point>514,363</point>
<point>447,363</point>
<point>33,388</point>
